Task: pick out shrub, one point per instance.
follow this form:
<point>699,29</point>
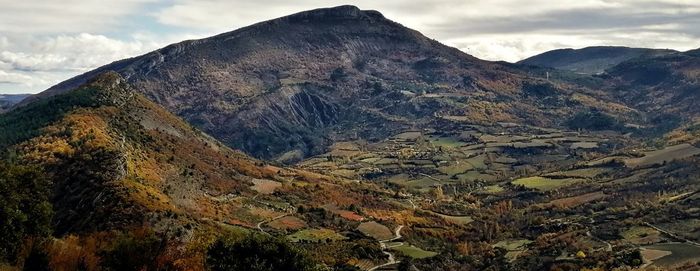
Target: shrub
<point>256,252</point>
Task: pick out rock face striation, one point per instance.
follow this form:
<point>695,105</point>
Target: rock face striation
<point>289,87</point>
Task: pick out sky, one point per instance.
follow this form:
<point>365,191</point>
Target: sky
<point>43,42</point>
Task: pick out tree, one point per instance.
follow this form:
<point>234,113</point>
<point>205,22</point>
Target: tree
<point>25,210</point>
<point>257,252</point>
<point>135,250</point>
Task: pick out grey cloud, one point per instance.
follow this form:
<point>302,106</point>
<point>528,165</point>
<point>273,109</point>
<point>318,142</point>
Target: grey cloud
<point>571,21</point>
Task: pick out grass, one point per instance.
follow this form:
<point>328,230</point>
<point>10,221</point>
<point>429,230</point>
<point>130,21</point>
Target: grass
<point>577,200</point>
<point>511,245</point>
<point>408,135</point>
<point>315,235</point>
<point>640,235</point>
<point>287,223</point>
<point>579,173</point>
<point>414,252</point>
<point>680,253</point>
<point>545,184</point>
<point>462,220</point>
<point>477,162</point>
<point>375,230</point>
<point>475,175</point>
<point>514,247</point>
<point>266,187</point>
<point>492,189</point>
<point>448,142</point>
<point>665,155</point>
<point>584,145</point>
<point>455,168</point>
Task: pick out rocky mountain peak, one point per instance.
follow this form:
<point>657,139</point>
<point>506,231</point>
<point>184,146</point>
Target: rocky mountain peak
<point>339,12</point>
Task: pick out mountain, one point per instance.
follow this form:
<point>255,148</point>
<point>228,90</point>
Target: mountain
<point>116,163</point>
<point>288,88</point>
<point>415,156</point>
<point>665,85</point>
<point>8,100</point>
<point>117,160</point>
<point>590,60</point>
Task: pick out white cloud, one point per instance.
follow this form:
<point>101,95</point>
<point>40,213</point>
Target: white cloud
<point>13,78</point>
<point>47,61</point>
<point>65,16</point>
<point>43,42</point>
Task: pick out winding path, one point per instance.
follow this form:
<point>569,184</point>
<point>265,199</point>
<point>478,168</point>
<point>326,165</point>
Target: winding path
<point>385,249</point>
<point>259,225</point>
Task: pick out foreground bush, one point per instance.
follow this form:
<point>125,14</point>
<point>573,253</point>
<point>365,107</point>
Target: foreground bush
<point>256,252</point>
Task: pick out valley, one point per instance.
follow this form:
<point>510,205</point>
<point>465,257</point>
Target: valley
<point>337,139</point>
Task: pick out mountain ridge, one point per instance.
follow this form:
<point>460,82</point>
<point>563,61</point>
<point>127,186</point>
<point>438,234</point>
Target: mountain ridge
<point>288,88</point>
<point>590,60</point>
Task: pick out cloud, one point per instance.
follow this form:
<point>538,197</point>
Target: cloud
<point>65,16</point>
<point>43,42</point>
<point>495,30</point>
<point>48,60</point>
<point>13,78</point>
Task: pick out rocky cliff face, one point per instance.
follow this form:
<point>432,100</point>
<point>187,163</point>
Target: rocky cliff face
<point>289,87</point>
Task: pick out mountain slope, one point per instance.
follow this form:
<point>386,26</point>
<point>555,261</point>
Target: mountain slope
<point>8,100</point>
<point>668,86</point>
<point>118,160</point>
<point>589,60</point>
<point>290,87</point>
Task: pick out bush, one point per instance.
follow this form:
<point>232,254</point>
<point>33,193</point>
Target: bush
<point>256,252</point>
<point>138,250</point>
<point>592,120</point>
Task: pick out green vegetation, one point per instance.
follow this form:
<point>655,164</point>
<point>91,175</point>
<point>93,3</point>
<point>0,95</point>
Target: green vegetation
<point>592,120</point>
<point>662,156</point>
<point>134,251</point>
<point>447,142</point>
<point>462,220</point>
<point>25,122</point>
<point>545,184</point>
<point>257,253</point>
<point>375,230</point>
<point>680,253</point>
<point>414,252</point>
<point>25,210</point>
<point>315,235</point>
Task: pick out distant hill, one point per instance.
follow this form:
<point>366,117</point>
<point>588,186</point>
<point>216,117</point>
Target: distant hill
<point>590,60</point>
<point>665,85</point>
<point>8,100</point>
<point>290,87</point>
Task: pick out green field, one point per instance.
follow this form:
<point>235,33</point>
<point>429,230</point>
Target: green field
<point>665,155</point>
<point>641,235</point>
<point>545,184</point>
<point>492,189</point>
<point>456,219</point>
<point>475,175</point>
<point>448,142</point>
<point>414,252</point>
<point>579,173</point>
<point>457,167</point>
<point>510,245</point>
<point>680,253</point>
<point>315,235</point>
<point>375,230</point>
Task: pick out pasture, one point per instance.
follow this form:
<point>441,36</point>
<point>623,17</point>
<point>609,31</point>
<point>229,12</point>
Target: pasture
<point>375,230</point>
<point>545,184</point>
